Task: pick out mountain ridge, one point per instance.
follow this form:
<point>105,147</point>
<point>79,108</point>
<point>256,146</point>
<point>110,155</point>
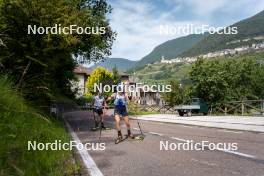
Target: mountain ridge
<point>247,29</point>
<point>170,49</point>
<point>122,64</point>
<point>197,44</point>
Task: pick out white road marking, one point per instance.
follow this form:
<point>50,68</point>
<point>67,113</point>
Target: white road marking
<point>136,129</point>
<point>179,139</point>
<point>86,157</point>
<point>226,151</point>
<point>158,134</point>
<point>187,126</point>
<point>229,131</point>
<point>223,150</point>
<point>237,153</point>
<point>203,162</point>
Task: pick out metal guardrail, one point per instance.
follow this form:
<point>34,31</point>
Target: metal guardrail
<point>151,108</point>
<point>56,109</point>
<point>165,109</point>
<point>246,107</point>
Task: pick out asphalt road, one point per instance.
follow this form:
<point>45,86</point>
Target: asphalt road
<point>144,158</point>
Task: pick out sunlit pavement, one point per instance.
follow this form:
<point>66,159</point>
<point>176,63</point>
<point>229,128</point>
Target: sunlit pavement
<point>245,123</point>
<point>145,157</point>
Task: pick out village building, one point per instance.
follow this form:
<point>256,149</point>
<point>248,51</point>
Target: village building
<point>144,98</point>
<point>81,73</point>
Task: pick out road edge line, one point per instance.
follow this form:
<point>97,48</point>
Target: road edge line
<point>86,157</point>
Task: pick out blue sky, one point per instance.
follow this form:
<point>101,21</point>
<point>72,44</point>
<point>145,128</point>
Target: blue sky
<point>137,22</point>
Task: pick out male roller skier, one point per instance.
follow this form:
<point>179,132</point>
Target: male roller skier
<point>98,105</point>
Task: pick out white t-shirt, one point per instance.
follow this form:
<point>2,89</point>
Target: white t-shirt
<point>98,101</point>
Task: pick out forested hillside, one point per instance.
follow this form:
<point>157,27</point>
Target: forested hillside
<point>170,49</point>
<point>248,30</point>
<point>161,73</point>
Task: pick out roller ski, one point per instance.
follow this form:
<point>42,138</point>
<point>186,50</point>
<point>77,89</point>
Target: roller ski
<point>136,137</point>
<point>119,139</point>
<point>97,127</point>
<point>128,136</point>
<point>141,136</point>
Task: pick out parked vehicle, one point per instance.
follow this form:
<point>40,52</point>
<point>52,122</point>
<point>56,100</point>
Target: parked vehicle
<point>197,106</point>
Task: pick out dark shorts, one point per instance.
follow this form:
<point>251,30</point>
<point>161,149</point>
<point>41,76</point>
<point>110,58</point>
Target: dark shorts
<point>121,111</point>
<point>99,111</point>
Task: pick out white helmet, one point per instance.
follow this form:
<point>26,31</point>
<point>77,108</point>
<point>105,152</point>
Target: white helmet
<point>120,87</point>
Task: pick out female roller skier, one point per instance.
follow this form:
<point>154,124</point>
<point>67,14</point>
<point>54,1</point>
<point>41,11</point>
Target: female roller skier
<point>120,111</point>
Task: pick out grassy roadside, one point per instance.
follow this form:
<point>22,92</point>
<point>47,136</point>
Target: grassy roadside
<point>142,113</point>
<point>19,123</point>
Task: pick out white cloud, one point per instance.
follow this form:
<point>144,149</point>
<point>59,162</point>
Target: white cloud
<point>138,30</point>
<point>137,22</point>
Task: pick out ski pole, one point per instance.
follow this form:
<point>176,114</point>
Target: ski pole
<point>94,117</point>
<point>100,134</point>
<point>141,132</point>
<point>139,128</point>
<point>101,121</point>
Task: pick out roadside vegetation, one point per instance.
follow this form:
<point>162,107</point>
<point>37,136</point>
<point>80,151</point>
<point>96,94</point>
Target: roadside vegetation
<point>42,65</point>
<point>19,123</point>
<point>99,76</point>
<point>221,80</point>
<point>37,69</point>
<point>217,80</point>
<point>161,73</point>
<point>103,76</point>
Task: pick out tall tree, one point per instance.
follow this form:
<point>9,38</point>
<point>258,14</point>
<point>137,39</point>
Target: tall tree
<point>221,81</point>
<point>42,64</point>
<point>179,94</point>
<point>99,76</point>
<point>116,75</point>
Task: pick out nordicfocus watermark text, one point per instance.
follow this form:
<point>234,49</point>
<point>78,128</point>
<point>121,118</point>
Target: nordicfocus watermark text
<point>131,88</point>
<point>197,146</point>
<point>192,29</point>
<point>59,145</point>
<point>59,29</point>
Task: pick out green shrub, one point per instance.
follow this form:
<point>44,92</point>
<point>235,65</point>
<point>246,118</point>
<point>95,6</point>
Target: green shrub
<point>83,100</point>
<point>19,124</point>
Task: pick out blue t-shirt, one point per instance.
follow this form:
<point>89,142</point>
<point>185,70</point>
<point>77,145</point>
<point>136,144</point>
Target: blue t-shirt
<point>120,100</point>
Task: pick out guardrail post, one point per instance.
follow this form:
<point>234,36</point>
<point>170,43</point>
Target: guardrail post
<point>262,107</point>
<point>225,111</point>
<point>242,108</point>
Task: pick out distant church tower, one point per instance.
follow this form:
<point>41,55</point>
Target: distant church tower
<point>162,59</point>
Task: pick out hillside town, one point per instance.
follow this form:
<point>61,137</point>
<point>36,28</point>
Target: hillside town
<point>221,53</point>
